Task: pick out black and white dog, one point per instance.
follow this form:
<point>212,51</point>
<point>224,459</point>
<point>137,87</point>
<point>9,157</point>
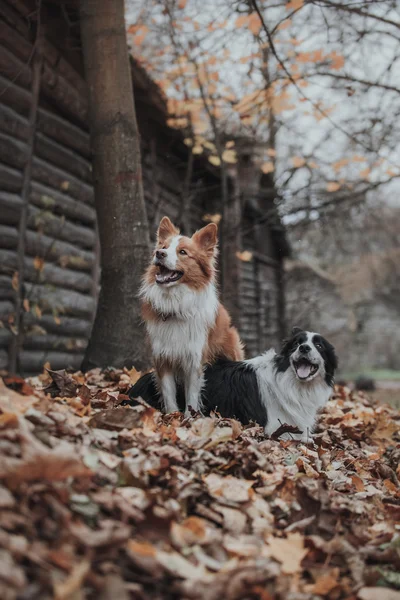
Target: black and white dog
<point>271,389</point>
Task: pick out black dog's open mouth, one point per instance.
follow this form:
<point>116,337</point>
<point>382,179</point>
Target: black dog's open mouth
<point>165,275</point>
<point>304,368</point>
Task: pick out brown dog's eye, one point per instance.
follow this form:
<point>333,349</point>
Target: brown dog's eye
<point>182,252</point>
<point>164,248</point>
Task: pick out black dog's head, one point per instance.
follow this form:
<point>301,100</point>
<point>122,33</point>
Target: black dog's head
<point>309,355</point>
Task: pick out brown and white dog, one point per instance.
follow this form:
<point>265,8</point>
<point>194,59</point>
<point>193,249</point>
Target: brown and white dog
<point>186,324</point>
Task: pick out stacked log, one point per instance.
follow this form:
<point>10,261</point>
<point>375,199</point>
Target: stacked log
<point>60,257</point>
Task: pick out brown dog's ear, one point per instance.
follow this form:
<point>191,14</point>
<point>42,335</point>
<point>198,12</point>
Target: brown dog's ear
<point>166,229</point>
<point>206,237</point>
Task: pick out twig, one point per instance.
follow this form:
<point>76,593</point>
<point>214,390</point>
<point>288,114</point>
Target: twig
<point>285,428</point>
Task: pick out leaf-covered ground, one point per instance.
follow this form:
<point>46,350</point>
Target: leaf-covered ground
<point>99,500</point>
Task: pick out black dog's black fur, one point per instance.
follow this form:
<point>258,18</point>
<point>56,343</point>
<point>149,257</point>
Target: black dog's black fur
<point>230,389</point>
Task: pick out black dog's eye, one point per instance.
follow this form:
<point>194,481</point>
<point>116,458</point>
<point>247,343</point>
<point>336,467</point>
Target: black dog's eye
<point>182,252</point>
<point>319,346</point>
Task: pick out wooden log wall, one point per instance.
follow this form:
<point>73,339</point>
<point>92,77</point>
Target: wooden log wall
<point>60,241</point>
<point>259,299</point>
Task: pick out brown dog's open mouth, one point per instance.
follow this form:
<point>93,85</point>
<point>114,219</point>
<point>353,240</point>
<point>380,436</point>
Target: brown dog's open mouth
<point>304,368</point>
<point>165,275</point>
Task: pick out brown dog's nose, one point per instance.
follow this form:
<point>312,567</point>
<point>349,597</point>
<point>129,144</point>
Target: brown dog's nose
<point>160,254</point>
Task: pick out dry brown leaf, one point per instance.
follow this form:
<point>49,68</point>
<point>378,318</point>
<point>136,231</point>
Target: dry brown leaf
<point>230,488</point>
<point>245,256</point>
<point>358,483</point>
<point>326,583</point>
<point>40,463</point>
<point>288,551</point>
<point>193,530</point>
<point>13,403</point>
<point>332,186</point>
<point>64,590</point>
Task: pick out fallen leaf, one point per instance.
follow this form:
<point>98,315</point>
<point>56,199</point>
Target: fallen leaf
<point>62,384</point>
<point>245,256</point>
<point>288,551</point>
<point>65,589</point>
<point>230,488</point>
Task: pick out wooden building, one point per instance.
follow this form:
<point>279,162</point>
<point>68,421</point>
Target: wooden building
<point>61,252</point>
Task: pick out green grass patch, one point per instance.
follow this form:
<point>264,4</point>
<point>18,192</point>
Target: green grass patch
<point>377,374</point>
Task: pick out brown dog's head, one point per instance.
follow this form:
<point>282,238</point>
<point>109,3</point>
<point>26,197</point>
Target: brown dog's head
<point>179,259</point>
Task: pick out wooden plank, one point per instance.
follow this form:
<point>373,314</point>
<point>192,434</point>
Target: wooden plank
<point>54,342</point>
<point>15,125</point>
<point>11,179</point>
<point>59,301</point>
<point>22,47</point>
<point>32,361</point>
<point>12,17</point>
<point>49,274</point>
<point>52,250</point>
<point>62,204</point>
<point>44,220</point>
<point>47,198</point>
<point>54,85</point>
<point>14,152</point>
<point>54,126</point>
<point>61,325</point>
<point>7,291</point>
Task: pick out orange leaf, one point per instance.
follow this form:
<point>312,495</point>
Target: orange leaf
<point>38,263</point>
<point>212,218</point>
<point>326,583</point>
<point>298,161</point>
<point>14,281</point>
<point>358,483</point>
<point>365,173</point>
<point>332,186</point>
<point>244,256</point>
<point>242,21</point>
<point>337,61</point>
<point>214,160</point>
<point>267,167</point>
<point>390,486</point>
<point>294,4</point>
<point>182,4</point>
<point>138,39</point>
<point>285,24</point>
<point>254,24</point>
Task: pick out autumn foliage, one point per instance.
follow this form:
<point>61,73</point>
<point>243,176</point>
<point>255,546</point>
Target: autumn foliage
<point>293,76</point>
<point>101,498</point>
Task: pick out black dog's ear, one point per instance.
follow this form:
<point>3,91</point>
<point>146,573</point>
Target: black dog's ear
<point>295,331</point>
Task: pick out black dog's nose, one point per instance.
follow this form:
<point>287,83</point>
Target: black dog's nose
<point>304,348</point>
<point>160,254</point>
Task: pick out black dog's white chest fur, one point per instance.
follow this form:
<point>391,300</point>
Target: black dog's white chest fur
<point>271,389</point>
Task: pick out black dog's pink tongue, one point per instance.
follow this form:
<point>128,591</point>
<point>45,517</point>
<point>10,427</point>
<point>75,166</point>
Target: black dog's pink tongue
<point>304,370</point>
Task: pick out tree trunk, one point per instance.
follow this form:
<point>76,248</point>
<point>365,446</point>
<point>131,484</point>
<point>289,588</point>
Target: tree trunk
<point>117,337</point>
